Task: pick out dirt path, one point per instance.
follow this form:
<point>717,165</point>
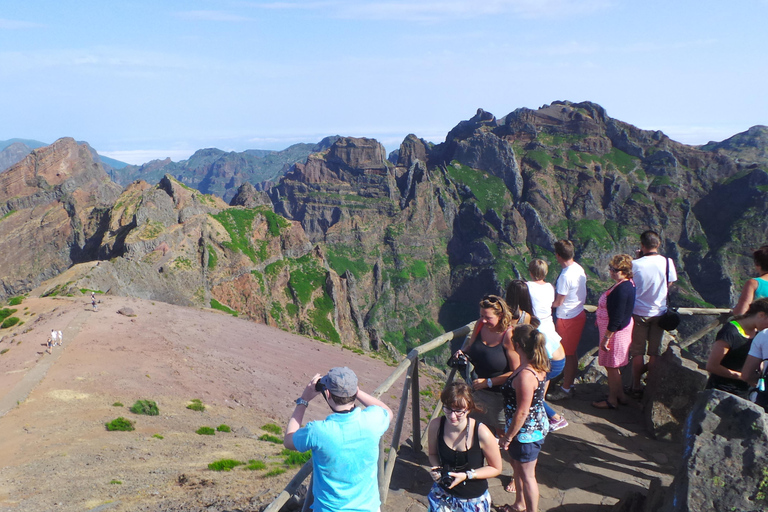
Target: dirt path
<point>34,375</point>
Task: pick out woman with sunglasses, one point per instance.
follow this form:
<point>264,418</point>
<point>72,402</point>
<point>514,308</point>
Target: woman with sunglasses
<point>614,324</point>
<point>463,453</point>
<point>493,356</point>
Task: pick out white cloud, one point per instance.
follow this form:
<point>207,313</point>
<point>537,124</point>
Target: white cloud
<point>433,11</point>
<point>212,16</point>
<point>18,25</point>
<point>142,156</point>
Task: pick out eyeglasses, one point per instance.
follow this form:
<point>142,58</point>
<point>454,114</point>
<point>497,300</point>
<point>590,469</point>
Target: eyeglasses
<point>612,269</point>
<point>459,413</point>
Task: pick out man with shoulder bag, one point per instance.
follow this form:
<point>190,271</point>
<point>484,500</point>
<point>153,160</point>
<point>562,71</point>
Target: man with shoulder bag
<point>652,275</point>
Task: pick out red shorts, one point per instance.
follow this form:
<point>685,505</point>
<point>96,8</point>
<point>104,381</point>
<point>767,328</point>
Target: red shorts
<point>570,332</point>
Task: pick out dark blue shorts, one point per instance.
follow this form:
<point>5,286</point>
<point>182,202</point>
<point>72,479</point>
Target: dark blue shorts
<point>524,452</point>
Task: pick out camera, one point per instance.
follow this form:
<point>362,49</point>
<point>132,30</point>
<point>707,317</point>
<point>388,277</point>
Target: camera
<point>458,360</point>
<point>319,387</point>
<point>445,479</point>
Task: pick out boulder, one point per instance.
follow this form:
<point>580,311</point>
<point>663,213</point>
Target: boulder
<point>725,461</point>
<point>670,394</point>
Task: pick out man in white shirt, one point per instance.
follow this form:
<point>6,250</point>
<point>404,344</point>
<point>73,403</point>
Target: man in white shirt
<point>570,297</point>
<point>650,276</point>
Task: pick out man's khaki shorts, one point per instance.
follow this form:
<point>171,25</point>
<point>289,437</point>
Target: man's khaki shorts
<point>646,336</point>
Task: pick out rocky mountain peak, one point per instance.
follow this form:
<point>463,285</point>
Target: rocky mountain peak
<point>357,153</point>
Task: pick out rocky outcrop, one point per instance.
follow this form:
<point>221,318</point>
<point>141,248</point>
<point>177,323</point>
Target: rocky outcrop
<point>670,394</point>
<point>54,205</point>
<point>13,154</point>
<point>248,196</point>
<point>725,464</point>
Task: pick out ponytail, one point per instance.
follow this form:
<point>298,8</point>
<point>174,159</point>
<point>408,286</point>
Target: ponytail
<point>533,343</point>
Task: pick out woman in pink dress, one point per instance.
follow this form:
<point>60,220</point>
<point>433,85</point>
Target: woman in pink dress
<point>614,323</point>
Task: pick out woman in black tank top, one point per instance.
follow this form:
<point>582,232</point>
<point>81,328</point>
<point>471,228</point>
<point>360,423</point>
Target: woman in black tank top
<point>463,453</point>
<point>493,356</point>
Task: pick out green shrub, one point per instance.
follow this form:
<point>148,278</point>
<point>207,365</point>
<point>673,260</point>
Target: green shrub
<point>205,431</point>
<point>274,472</point>
<point>271,439</point>
<point>213,258</point>
<point>117,404</point>
<point>15,301</point>
<point>272,429</point>
<point>157,436</point>
<point>4,351</point>
<point>224,465</point>
<point>221,307</point>
<point>115,482</point>
<point>196,405</point>
<point>294,458</point>
<point>5,313</point>
<point>147,407</point>
<point>223,428</point>
<point>254,465</point>
<point>9,322</point>
<point>120,424</point>
<point>239,224</point>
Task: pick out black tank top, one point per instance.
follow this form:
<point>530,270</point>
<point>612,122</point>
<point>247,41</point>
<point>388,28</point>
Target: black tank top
<point>460,461</point>
<point>488,361</point>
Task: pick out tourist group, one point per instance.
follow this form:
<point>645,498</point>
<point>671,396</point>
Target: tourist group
<point>515,349</point>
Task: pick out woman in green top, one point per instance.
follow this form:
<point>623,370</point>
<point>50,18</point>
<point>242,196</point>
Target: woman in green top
<point>731,347</point>
<point>756,288</point>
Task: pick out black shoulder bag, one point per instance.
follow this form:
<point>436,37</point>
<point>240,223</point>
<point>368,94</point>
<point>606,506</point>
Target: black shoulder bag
<point>671,318</point>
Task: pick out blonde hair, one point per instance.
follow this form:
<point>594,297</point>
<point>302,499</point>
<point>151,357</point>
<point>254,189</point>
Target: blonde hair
<point>538,269</point>
<point>500,309</point>
<point>622,263</point>
<point>533,342</point>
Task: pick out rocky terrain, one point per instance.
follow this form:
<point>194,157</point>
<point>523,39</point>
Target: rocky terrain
<point>213,171</point>
<point>378,252</point>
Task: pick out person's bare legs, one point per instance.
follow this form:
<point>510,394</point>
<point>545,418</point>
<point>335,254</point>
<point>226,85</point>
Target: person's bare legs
<point>615,390</point>
<point>527,487</point>
<point>569,372</point>
<point>638,364</point>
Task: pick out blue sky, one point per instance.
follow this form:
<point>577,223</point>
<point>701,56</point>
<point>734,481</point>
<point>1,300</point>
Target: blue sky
<point>140,80</point>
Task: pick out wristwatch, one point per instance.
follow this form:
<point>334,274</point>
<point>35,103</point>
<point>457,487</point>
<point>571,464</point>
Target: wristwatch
<point>301,401</point>
<point>489,383</point>
<point>470,474</point>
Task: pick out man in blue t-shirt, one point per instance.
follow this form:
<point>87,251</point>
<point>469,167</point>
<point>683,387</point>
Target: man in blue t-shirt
<point>345,445</point>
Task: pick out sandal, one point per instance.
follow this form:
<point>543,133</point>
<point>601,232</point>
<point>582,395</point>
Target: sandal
<point>510,487</point>
<point>603,404</point>
<point>509,508</point>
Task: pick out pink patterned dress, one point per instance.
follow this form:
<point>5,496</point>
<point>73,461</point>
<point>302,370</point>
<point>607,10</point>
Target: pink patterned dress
<point>618,353</point>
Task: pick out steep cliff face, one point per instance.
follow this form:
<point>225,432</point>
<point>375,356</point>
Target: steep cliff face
<point>53,206</point>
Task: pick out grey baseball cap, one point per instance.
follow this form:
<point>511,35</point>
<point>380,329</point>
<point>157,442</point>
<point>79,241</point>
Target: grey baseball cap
<point>340,381</point>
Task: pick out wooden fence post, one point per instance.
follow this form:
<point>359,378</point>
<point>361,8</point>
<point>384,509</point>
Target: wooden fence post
<point>415,408</point>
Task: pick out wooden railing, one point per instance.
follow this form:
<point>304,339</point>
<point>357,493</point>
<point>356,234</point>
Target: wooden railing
<point>410,367</point>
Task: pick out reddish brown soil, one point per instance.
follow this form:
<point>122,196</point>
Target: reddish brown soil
<point>55,451</point>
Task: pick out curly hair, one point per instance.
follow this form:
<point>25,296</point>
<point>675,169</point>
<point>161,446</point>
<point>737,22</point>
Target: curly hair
<point>500,309</point>
<point>623,264</point>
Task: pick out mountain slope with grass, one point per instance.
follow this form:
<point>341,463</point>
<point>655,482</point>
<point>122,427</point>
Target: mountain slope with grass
<point>373,253</point>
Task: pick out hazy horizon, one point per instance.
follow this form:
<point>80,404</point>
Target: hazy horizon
<point>140,80</point>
